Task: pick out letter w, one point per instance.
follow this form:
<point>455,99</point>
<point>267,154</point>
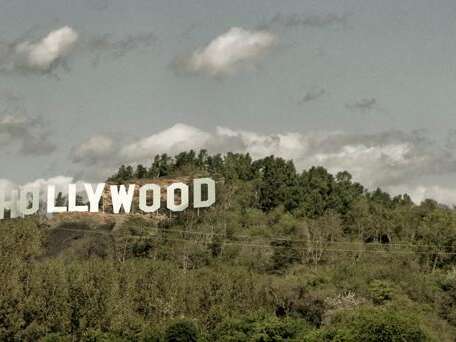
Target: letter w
<point>121,198</point>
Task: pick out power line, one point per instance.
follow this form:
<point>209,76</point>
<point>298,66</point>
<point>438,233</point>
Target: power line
<point>278,238</point>
<point>271,239</point>
<point>330,249</point>
<point>259,245</point>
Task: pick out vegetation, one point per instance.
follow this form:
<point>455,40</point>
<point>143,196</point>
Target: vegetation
<point>282,256</point>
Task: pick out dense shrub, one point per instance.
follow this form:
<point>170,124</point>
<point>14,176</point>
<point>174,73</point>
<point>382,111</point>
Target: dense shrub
<point>380,292</point>
<point>261,327</point>
<point>373,325</point>
<point>182,331</point>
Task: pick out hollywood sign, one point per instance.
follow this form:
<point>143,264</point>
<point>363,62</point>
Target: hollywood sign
<point>26,201</point>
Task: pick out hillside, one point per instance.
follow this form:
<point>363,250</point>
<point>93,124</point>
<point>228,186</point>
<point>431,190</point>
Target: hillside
<point>282,256</point>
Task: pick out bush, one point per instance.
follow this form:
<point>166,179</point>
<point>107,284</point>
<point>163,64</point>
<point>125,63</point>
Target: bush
<point>380,292</point>
<point>372,325</point>
<point>93,335</point>
<point>448,299</point>
<point>182,331</point>
<point>284,255</point>
<point>150,335</point>
<point>311,308</point>
<point>56,337</point>
<point>259,327</point>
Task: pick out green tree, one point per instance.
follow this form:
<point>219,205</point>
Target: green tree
<point>141,171</point>
<point>278,183</point>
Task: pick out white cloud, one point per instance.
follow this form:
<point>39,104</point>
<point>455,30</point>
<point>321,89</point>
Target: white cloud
<point>30,135</point>
<point>419,193</point>
<point>42,54</point>
<point>369,164</point>
<point>226,52</point>
<point>18,131</point>
<point>96,148</point>
<point>61,184</point>
<point>172,140</point>
<point>6,185</point>
<point>46,54</point>
<point>288,145</point>
<point>391,160</point>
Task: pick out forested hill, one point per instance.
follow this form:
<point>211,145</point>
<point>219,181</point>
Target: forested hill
<point>275,181</point>
<point>282,256</point>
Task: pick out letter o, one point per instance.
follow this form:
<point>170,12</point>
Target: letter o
<point>171,197</point>
<point>143,198</point>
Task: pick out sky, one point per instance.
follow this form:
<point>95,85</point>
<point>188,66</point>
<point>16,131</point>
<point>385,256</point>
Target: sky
<point>363,86</point>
